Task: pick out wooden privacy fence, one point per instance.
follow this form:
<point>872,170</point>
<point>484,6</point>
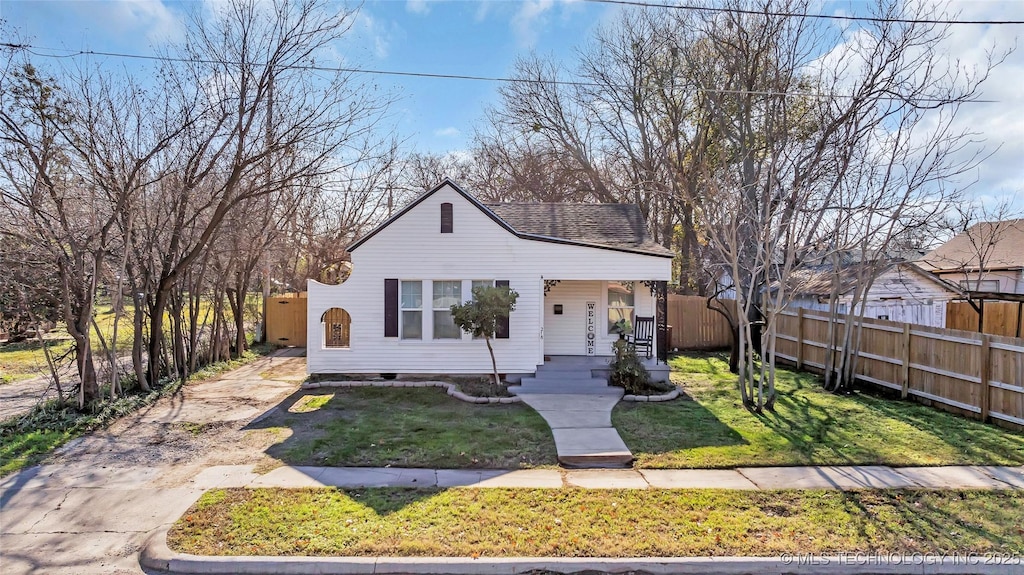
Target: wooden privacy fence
<point>694,326</point>
<point>286,319</point>
<point>974,374</point>
<point>1001,317</point>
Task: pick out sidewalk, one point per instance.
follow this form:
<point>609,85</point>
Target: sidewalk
<point>749,478</point>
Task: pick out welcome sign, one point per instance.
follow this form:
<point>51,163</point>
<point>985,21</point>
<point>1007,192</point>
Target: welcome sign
<point>591,327</point>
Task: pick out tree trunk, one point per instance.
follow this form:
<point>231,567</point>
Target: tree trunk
<point>494,363</point>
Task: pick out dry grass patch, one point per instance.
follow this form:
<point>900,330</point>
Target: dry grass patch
<point>591,523</point>
<point>407,427</point>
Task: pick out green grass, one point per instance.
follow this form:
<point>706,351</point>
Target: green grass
<point>809,426</point>
<point>607,523</point>
<point>408,427</point>
<point>27,439</point>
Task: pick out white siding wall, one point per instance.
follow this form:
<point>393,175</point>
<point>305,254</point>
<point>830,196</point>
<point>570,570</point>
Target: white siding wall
<point>412,248</point>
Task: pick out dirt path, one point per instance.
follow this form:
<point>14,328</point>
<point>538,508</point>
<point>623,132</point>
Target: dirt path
<point>90,506</point>
<point>21,396</point>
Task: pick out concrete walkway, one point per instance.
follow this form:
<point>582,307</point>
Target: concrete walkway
<point>578,408</point>
<point>582,428</point>
<point>748,478</point>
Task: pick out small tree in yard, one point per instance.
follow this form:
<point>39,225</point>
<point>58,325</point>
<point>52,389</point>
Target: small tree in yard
<point>481,315</point>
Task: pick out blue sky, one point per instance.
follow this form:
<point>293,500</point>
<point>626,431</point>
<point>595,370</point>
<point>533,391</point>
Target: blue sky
<point>484,38</point>
<point>450,37</point>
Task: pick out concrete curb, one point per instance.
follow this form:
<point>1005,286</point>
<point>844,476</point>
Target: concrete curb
<point>451,388</point>
<point>652,398</point>
<point>157,555</point>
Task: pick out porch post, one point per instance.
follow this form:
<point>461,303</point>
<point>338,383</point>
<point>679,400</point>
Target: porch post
<point>662,319</point>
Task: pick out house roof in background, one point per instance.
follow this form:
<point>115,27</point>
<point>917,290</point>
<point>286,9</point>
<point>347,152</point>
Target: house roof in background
<point>817,280</point>
<point>997,245</point>
<point>618,227</point>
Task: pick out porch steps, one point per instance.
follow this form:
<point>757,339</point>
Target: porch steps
<point>577,406</point>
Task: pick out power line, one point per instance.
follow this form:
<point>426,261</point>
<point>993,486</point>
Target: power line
<point>877,19</point>
<point>438,76</point>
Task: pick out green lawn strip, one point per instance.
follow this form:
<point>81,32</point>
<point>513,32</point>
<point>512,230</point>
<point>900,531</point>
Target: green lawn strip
<point>589,523</point>
<point>809,427</point>
<point>26,439</point>
<point>409,427</point>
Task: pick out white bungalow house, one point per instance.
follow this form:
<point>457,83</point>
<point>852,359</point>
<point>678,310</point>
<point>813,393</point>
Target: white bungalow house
<point>577,269</point>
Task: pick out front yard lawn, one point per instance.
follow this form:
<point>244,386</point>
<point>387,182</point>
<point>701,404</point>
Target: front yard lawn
<point>407,427</point>
<point>809,427</point>
<point>605,523</point>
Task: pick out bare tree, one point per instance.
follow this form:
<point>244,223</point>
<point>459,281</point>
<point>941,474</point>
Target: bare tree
<point>616,129</point>
<point>258,121</point>
<point>861,137</point>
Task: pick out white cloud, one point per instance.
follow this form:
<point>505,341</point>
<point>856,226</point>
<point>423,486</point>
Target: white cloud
<point>373,34</point>
<point>529,20</point>
<point>995,125</point>
<point>421,7</point>
<point>535,16</point>
<point>449,132</point>
<point>999,122</point>
<point>150,19</point>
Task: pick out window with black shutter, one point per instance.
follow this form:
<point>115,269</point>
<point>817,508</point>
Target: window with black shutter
<point>501,330</point>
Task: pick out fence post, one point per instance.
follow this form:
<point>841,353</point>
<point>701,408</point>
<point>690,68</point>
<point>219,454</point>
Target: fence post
<point>799,338</point>
<point>985,391</point>
<point>905,376</point>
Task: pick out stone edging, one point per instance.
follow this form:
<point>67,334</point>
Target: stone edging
<point>653,398</point>
<point>452,389</point>
<point>157,555</point>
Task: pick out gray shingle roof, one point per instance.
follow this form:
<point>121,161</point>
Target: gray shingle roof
<point>992,245</point>
<point>619,226</point>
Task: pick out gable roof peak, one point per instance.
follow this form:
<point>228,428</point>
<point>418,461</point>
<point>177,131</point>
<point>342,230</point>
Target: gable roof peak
<point>618,227</point>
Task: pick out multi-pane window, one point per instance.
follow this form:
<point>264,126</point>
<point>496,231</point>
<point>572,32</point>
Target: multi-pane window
<point>620,302</point>
<point>412,309</point>
<point>446,294</point>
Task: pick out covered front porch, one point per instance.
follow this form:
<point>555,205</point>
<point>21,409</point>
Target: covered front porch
<point>579,319</point>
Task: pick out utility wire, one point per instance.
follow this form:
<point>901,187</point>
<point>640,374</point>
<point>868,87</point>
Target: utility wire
<point>438,76</point>
<point>877,19</point>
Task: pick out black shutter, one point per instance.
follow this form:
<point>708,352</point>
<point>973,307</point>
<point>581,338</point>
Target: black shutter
<point>501,330</point>
<point>447,219</point>
<point>390,308</point>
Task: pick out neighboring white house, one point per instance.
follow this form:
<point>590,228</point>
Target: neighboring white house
<point>903,292</point>
<point>576,268</point>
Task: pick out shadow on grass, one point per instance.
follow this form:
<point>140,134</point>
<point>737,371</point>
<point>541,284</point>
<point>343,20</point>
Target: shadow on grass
<point>657,428</point>
<point>974,440</point>
<point>946,519</point>
<point>809,426</point>
<point>405,427</point>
